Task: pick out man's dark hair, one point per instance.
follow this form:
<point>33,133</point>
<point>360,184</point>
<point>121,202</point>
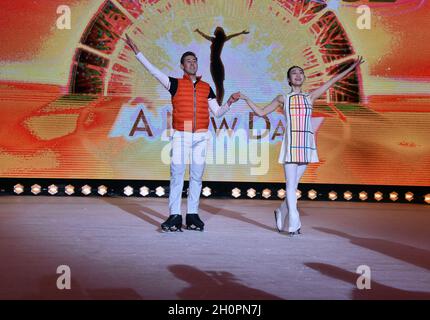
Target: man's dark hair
<point>188,53</point>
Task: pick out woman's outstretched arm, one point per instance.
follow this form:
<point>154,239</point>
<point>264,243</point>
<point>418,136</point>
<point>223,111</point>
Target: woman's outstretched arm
<point>204,35</point>
<point>277,102</point>
<point>236,34</point>
<point>318,92</point>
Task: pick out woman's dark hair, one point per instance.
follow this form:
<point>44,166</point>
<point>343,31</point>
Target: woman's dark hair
<point>291,69</point>
<point>188,53</point>
<point>219,33</point>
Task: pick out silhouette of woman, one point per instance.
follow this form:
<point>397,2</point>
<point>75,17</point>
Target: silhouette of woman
<point>217,67</point>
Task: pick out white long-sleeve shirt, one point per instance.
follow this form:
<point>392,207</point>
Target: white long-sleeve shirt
<point>171,84</point>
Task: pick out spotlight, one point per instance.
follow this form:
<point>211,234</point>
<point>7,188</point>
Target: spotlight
<point>128,191</point>
<point>347,195</point>
<point>332,195</point>
<point>409,196</point>
<point>18,188</point>
<point>69,189</point>
<point>378,196</point>
<point>102,190</point>
<point>207,191</point>
<point>362,195</point>
<point>159,191</point>
<point>52,189</point>
<point>235,192</point>
<point>266,193</point>
<point>36,189</point>
<point>281,193</point>
<point>144,191</point>
<point>251,193</point>
<point>86,189</point>
<point>427,198</point>
<point>298,194</point>
<point>394,196</point>
<point>312,194</point>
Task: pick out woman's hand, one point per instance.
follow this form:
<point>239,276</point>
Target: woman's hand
<point>357,62</point>
<point>233,98</point>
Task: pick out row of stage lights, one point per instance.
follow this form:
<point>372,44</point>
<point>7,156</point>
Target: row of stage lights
<point>332,195</point>
<point>236,192</point>
<point>86,190</point>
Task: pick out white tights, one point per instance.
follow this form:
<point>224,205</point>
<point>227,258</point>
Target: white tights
<point>293,174</point>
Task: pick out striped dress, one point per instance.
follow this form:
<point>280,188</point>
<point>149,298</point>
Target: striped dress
<point>298,144</point>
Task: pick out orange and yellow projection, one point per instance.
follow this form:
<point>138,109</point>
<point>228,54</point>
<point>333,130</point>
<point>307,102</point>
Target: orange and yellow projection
<point>75,103</point>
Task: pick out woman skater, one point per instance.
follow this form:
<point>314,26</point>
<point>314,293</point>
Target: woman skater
<point>217,67</point>
<point>298,145</point>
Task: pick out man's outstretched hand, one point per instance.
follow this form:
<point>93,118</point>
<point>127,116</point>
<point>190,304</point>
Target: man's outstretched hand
<point>233,98</point>
<point>131,44</point>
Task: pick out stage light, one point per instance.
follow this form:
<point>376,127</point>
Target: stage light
<point>52,189</point>
<point>235,192</point>
<point>128,191</point>
<point>69,189</point>
<point>86,189</point>
<point>298,194</point>
<point>144,191</point>
<point>281,193</point>
<point>332,195</point>
<point>312,194</point>
<point>36,189</point>
<point>159,191</point>
<point>362,195</point>
<point>378,196</point>
<point>251,193</point>
<point>102,190</point>
<point>207,191</point>
<point>427,198</point>
<point>347,195</point>
<point>18,188</point>
<point>394,196</point>
<point>409,196</point>
<point>266,193</point>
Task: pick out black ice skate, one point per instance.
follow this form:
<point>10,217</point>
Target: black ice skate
<point>295,233</point>
<point>173,223</point>
<point>194,223</point>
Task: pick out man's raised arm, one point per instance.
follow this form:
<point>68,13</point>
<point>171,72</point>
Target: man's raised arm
<point>161,77</point>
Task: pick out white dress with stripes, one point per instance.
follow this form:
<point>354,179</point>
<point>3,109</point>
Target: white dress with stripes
<point>298,144</point>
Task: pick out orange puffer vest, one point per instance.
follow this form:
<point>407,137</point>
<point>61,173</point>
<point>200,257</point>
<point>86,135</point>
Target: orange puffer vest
<point>190,105</point>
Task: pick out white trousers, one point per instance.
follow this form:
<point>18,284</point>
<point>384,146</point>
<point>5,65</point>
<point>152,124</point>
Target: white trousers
<point>187,148</point>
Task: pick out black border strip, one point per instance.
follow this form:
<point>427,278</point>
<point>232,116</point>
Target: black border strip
<point>218,189</point>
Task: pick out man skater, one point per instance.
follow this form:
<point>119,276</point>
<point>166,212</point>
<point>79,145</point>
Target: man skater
<point>192,99</point>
